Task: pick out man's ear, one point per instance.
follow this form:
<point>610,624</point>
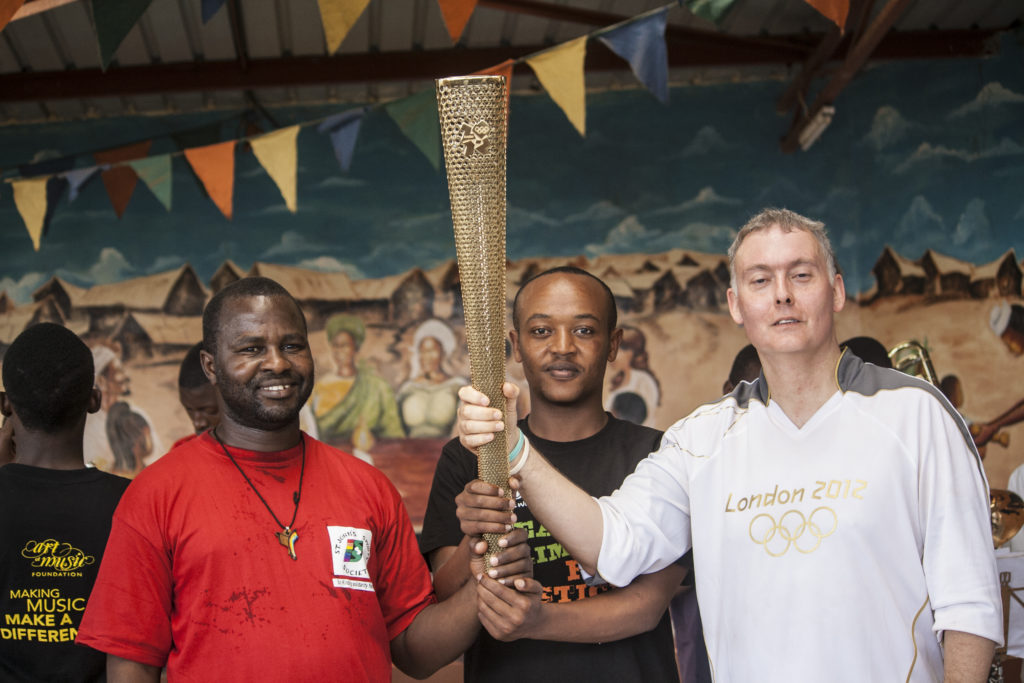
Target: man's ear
<point>513,337</point>
<point>613,346</point>
<point>734,308</point>
<point>206,362</point>
<point>838,294</point>
<point>95,401</point>
<point>5,405</point>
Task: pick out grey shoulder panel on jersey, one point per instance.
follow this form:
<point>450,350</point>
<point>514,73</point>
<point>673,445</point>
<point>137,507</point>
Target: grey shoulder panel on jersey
<point>854,375</point>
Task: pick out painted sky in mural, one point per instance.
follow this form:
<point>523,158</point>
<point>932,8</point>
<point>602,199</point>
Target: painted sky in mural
<point>919,155</point>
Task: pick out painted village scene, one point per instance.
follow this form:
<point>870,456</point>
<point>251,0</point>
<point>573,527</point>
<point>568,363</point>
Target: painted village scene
<point>400,341</point>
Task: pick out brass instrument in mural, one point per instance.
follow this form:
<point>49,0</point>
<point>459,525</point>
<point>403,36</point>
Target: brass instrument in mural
<point>1007,508</point>
<point>473,134</point>
<point>912,358</point>
<point>1007,515</point>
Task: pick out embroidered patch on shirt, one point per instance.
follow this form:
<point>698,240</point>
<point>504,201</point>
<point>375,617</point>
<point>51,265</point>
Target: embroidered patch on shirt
<point>350,552</point>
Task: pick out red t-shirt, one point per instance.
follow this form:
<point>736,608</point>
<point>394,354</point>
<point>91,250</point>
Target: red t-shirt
<point>194,576</point>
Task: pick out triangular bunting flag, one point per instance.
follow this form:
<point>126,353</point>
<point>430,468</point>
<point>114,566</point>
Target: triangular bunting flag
<point>642,44</point>
<point>456,15</point>
<point>77,178</point>
<point>712,10</point>
<point>113,20</point>
<point>30,198</point>
<point>504,69</point>
<point>215,166</point>
<point>54,189</point>
<point>276,153</point>
<point>416,116</point>
<point>836,10</point>
<point>210,8</point>
<point>8,8</point>
<point>338,18</point>
<point>560,71</point>
<point>344,130</point>
<point>156,173</point>
<point>120,180</point>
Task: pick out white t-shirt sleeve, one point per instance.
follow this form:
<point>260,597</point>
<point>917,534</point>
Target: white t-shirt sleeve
<point>958,557</point>
<point>647,520</point>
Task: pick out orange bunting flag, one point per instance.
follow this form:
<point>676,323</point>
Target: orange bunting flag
<point>215,166</point>
<point>276,153</point>
<point>835,10</point>
<point>120,180</point>
<point>456,15</point>
<point>504,69</point>
<point>560,71</point>
<point>30,198</point>
<point>338,17</point>
<point>8,8</point>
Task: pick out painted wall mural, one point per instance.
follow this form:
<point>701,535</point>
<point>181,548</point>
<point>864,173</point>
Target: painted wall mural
<point>918,178</point>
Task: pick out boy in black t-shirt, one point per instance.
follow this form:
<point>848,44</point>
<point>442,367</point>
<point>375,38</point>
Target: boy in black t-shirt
<point>54,514</point>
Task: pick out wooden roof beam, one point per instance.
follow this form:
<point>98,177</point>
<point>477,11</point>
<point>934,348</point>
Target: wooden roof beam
<point>822,54</point>
<point>856,58</point>
<point>429,64</point>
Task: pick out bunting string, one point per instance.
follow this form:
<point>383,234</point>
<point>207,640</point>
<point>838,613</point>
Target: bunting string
<point>639,40</point>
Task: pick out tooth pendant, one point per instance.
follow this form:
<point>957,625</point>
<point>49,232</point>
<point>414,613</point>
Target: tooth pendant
<point>287,538</point>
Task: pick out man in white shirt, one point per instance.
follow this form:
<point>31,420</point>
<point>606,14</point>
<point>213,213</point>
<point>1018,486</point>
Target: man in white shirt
<point>837,511</point>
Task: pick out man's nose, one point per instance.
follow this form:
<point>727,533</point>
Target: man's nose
<point>783,292</point>
<point>274,360</point>
<point>562,342</point>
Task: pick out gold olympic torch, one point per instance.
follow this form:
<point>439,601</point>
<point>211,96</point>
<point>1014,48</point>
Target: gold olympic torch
<point>473,133</point>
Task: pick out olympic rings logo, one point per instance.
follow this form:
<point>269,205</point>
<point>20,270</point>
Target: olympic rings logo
<point>793,530</point>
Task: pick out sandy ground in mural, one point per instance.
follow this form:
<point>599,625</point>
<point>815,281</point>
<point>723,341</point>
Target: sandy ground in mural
<point>690,354</point>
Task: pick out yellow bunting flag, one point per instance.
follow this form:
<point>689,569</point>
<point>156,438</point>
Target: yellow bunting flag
<point>338,18</point>
<point>215,166</point>
<point>276,152</point>
<point>560,71</point>
<point>30,198</point>
<point>8,8</point>
<point>836,10</point>
<point>456,15</point>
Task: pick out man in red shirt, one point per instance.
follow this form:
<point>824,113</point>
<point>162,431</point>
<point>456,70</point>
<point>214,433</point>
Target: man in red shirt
<point>255,552</point>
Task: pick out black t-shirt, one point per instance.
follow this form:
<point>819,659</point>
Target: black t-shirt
<point>597,464</point>
<point>54,526</point>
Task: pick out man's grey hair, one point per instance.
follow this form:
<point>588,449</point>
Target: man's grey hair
<point>787,221</point>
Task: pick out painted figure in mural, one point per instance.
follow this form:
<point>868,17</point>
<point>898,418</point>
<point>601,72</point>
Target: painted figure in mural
<point>228,558</point>
<point>828,483</point>
<point>869,350</point>
<point>195,392</point>
<point>130,439</point>
<point>429,400</point>
<point>1007,321</point>
<point>353,403</point>
<point>115,386</point>
<point>54,513</point>
<point>746,367</point>
<point>633,391</point>
<point>565,335</point>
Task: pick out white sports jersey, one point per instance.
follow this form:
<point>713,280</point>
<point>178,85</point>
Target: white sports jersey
<point>838,551</point>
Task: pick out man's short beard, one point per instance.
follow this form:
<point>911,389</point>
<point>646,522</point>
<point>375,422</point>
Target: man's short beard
<point>242,407</point>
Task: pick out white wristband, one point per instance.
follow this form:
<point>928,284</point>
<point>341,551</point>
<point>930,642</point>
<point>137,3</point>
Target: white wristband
<point>522,458</point>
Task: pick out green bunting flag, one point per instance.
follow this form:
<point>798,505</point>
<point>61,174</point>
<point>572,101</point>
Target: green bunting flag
<point>416,116</point>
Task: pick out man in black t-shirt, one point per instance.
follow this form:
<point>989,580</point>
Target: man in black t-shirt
<point>54,513</point>
<point>564,335</point>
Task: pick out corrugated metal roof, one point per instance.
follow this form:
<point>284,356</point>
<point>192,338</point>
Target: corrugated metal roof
<point>273,51</point>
